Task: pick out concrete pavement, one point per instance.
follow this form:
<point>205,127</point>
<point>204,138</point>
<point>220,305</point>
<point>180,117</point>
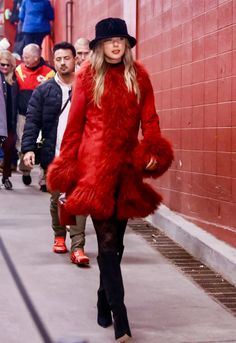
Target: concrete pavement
<point>164,305</point>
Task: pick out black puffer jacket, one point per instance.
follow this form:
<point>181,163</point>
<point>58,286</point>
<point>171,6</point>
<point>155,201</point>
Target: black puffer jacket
<point>42,114</point>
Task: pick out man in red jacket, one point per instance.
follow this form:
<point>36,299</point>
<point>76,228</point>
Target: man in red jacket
<point>29,74</point>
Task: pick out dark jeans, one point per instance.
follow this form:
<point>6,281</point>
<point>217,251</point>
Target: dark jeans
<point>36,38</point>
<point>9,151</point>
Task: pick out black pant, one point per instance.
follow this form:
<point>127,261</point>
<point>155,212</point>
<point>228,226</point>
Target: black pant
<point>34,37</point>
<point>9,150</point>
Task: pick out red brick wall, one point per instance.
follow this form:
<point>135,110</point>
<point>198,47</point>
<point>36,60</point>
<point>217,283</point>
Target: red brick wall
<point>188,47</point>
<point>85,15</point>
<point>88,13</point>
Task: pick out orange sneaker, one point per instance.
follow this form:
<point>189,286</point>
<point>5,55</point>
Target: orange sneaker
<point>78,257</point>
<point>59,245</point>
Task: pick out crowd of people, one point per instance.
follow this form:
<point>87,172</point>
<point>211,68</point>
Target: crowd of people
<point>86,110</point>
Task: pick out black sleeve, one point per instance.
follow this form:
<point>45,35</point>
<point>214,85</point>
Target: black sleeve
<point>33,123</point>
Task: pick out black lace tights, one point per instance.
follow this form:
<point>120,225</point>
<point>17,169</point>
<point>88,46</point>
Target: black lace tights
<point>110,234</point>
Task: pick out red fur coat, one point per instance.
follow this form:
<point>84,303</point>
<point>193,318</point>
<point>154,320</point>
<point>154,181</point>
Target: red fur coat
<point>102,164</point>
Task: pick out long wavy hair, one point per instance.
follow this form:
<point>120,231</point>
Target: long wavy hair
<point>99,65</point>
<point>7,55</point>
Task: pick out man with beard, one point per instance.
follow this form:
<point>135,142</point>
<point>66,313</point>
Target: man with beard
<point>48,111</point>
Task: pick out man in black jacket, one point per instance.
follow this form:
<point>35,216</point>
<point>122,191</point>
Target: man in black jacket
<point>29,74</point>
<point>48,111</point>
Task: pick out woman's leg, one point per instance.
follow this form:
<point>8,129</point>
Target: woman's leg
<point>121,227</point>
<point>110,248</point>
<point>104,311</point>
<point>104,318</point>
<point>8,148</point>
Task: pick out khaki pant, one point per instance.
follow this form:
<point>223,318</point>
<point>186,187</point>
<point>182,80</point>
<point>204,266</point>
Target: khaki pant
<point>77,232</point>
<point>19,131</point>
<point>42,176</point>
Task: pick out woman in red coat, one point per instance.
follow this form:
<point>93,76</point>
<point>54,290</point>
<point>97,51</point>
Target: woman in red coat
<point>102,164</point>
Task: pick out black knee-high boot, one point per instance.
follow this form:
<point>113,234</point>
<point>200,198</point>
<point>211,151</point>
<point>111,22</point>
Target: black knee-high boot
<point>104,318</point>
<point>109,265</point>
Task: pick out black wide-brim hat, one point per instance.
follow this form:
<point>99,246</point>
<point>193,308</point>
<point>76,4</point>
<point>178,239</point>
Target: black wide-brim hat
<point>111,27</point>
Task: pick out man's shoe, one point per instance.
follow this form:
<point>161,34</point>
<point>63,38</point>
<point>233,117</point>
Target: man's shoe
<point>26,179</point>
<point>78,257</point>
<point>59,245</point>
<point>7,183</point>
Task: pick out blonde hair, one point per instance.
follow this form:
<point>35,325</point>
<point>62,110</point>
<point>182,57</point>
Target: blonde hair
<point>99,65</point>
<point>6,54</point>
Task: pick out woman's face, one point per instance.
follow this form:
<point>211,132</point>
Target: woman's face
<point>114,49</point>
<point>5,66</point>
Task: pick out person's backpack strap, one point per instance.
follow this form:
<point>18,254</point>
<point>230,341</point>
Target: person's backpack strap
<point>65,104</point>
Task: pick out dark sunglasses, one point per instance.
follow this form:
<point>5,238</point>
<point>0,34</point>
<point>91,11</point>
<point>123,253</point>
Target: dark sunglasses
<point>4,65</point>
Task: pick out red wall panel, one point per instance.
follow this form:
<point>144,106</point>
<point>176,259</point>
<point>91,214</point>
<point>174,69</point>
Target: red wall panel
<point>195,97</point>
<point>85,14</point>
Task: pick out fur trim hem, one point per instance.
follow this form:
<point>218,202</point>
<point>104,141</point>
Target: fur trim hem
<point>62,175</point>
<point>90,201</point>
<point>135,198</point>
<point>140,205</point>
<point>157,147</point>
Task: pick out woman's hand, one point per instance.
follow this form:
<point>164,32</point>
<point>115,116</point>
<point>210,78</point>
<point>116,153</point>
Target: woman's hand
<point>152,164</point>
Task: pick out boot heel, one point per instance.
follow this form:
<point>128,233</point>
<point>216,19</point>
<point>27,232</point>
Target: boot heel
<point>104,318</point>
<point>123,339</point>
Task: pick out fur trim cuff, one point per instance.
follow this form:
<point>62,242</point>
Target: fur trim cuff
<point>157,147</point>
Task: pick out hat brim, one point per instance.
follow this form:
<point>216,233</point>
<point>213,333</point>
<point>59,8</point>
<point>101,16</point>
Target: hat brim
<point>93,43</point>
